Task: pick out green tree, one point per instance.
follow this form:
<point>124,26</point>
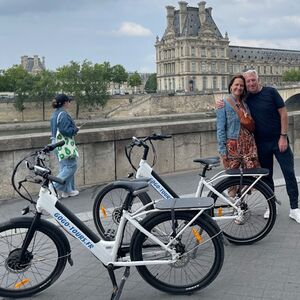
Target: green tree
<point>20,82</point>
<point>134,80</point>
<point>44,87</point>
<point>4,83</point>
<point>291,75</point>
<point>69,81</point>
<point>151,84</point>
<point>118,75</point>
<point>88,83</point>
<point>95,81</point>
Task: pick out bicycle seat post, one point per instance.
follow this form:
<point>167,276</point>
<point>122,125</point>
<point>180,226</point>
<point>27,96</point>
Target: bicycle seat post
<point>205,168</point>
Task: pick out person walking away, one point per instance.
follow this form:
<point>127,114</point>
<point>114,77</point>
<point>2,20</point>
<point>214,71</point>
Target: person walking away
<point>62,121</point>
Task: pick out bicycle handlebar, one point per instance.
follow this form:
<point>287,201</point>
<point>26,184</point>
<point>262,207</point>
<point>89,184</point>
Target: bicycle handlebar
<point>51,147</point>
<point>38,167</point>
<point>143,143</point>
<point>153,137</point>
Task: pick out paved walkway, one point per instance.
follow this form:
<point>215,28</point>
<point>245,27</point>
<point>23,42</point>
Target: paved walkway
<point>269,269</point>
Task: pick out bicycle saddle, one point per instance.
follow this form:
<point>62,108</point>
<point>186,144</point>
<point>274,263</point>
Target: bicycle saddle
<point>135,185</point>
<point>208,161</point>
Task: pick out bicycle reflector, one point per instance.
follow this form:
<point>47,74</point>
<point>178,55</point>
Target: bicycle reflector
<point>197,235</point>
<point>103,210</point>
<point>220,212</point>
<point>22,283</point>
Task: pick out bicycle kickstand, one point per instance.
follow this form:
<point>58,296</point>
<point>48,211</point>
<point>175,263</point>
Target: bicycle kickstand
<point>116,293</point>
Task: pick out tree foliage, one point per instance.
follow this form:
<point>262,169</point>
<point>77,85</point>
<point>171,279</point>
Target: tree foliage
<point>291,75</point>
<point>88,83</point>
<point>151,84</point>
<point>134,80</point>
<point>44,87</point>
<point>118,75</point>
<point>20,82</point>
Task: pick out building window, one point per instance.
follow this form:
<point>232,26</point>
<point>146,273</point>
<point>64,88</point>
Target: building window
<point>224,83</point>
<point>222,52</point>
<point>192,51</point>
<point>181,51</point>
<point>193,66</point>
<point>203,66</point>
<point>203,52</point>
<point>204,83</point>
<point>213,52</point>
<point>182,83</point>
<point>215,83</point>
<point>222,67</point>
<point>213,67</point>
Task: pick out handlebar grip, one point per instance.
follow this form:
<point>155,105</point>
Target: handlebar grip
<point>166,136</point>
<point>160,136</point>
<point>56,179</point>
<point>51,147</point>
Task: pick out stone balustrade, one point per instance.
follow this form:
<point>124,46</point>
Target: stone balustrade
<point>102,157</point>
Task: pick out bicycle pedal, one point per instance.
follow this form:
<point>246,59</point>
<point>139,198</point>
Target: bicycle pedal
<point>110,233</point>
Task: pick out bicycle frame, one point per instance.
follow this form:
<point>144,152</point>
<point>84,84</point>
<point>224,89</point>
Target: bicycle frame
<point>105,251</point>
<point>145,171</point>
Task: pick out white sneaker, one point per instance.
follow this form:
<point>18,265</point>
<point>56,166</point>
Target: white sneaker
<point>73,193</point>
<point>267,214</point>
<point>64,195</point>
<point>295,214</point>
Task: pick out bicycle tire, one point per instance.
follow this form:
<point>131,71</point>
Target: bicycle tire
<point>44,261</point>
<point>195,269</point>
<point>255,226</point>
<point>107,210</point>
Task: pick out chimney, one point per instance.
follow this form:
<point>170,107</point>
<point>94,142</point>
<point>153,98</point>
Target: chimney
<point>209,10</point>
<point>43,62</point>
<point>182,14</point>
<point>35,62</point>
<point>202,14</point>
<point>170,16</point>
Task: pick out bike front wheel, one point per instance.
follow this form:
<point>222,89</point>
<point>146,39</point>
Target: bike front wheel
<point>200,247</point>
<point>107,210</point>
<point>254,225</point>
<point>43,261</point>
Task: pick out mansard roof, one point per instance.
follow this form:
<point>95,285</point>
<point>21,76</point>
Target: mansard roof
<point>263,54</point>
<point>192,24</point>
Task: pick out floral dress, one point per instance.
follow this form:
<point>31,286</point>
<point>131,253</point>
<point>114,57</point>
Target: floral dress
<point>241,152</point>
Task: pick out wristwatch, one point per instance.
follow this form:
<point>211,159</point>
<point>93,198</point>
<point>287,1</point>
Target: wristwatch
<point>284,134</point>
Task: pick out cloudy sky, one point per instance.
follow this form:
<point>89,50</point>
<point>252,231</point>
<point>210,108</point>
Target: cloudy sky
<point>124,31</point>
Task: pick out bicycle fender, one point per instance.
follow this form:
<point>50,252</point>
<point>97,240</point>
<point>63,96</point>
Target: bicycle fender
<point>52,227</point>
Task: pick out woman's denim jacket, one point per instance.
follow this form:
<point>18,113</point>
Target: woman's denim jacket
<point>66,124</point>
<point>228,126</point>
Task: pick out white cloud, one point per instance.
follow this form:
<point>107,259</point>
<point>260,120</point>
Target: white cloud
<point>133,29</point>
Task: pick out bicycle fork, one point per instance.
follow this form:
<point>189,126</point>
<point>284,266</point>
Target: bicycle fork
<point>29,235</point>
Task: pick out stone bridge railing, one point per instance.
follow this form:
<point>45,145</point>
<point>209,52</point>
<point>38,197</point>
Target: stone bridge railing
<point>102,157</point>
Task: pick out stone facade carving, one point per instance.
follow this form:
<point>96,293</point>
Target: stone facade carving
<point>194,56</point>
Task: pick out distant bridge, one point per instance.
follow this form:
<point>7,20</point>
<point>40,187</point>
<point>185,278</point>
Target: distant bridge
<point>289,92</point>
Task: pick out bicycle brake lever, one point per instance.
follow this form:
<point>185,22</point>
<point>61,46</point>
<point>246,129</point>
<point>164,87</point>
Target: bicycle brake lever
<point>20,183</point>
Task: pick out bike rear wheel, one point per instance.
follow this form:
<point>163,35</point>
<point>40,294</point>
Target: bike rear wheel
<point>107,210</point>
<point>256,202</point>
<point>43,262</point>
<point>200,246</point>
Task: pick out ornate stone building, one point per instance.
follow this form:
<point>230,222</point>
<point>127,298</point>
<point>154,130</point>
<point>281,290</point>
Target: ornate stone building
<point>193,55</point>
<point>33,64</point>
